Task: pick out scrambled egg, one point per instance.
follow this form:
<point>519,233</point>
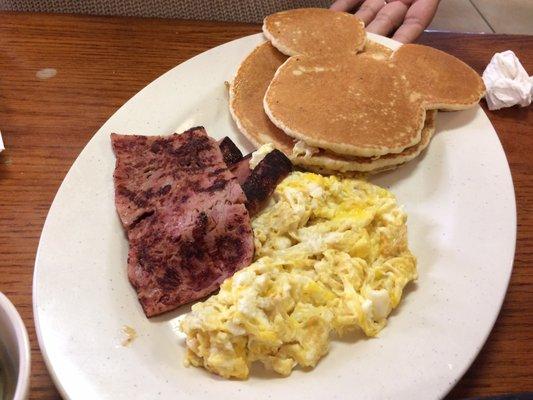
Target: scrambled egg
<point>331,257</point>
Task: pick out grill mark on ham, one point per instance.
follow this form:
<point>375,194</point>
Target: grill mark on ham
<point>184,214</point>
<point>141,217</point>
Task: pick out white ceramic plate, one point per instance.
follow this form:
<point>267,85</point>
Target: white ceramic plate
<point>462,224</point>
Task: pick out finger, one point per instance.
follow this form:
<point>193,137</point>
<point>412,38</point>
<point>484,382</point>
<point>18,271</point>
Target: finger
<point>406,2</point>
<point>345,5</point>
<point>388,18</point>
<point>368,10</point>
<point>417,19</point>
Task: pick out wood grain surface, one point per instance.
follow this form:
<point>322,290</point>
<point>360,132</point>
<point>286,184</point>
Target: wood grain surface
<point>102,62</point>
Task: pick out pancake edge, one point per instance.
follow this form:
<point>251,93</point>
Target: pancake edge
<point>375,165</point>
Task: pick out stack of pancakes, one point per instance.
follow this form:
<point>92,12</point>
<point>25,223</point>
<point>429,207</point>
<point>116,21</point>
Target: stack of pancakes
<point>335,102</point>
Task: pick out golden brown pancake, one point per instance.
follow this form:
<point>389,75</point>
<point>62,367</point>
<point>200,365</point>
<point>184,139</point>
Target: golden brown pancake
<point>246,97</point>
<point>246,105</point>
<point>329,161</point>
<point>376,50</point>
<point>350,105</point>
<point>444,81</point>
<point>314,31</point>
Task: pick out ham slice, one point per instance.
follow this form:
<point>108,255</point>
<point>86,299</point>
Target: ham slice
<point>184,214</point>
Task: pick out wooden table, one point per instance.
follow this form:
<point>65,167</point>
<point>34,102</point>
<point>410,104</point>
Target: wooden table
<point>102,62</point>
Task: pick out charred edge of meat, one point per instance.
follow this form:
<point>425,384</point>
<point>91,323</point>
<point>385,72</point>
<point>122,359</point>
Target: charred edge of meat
<point>122,143</point>
<point>118,138</point>
<point>190,150</point>
<point>194,128</point>
<point>264,179</point>
<point>230,151</point>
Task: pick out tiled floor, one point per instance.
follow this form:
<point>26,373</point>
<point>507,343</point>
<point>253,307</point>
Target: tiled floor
<point>499,16</point>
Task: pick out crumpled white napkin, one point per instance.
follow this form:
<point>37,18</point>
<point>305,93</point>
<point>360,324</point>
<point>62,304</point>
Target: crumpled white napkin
<point>2,148</point>
<point>507,82</point>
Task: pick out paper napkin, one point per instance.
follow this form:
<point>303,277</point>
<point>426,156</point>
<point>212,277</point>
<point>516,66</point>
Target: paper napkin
<point>507,82</point>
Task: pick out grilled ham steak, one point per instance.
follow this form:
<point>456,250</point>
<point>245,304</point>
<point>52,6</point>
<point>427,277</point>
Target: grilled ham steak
<point>184,214</point>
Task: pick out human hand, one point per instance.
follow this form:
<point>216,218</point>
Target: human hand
<point>404,19</point>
